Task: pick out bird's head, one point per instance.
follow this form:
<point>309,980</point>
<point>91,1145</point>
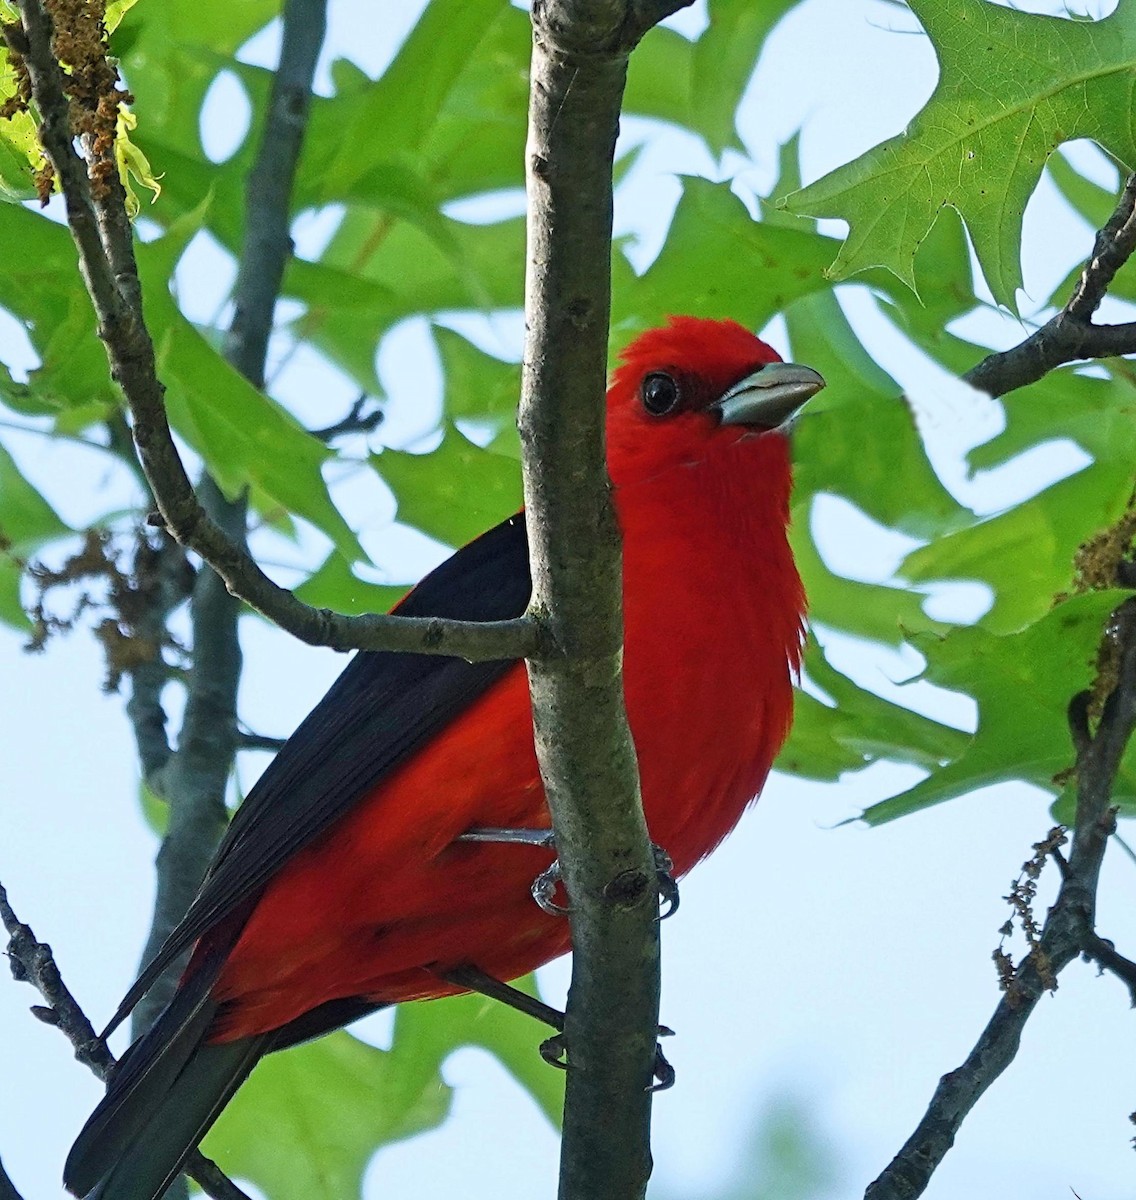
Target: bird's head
<point>695,384</point>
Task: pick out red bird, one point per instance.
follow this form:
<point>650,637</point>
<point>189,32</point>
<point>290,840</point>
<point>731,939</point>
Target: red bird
<point>342,884</point>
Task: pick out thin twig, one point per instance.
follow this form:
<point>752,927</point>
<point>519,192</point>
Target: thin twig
<point>259,741</point>
<point>1105,955</point>
<point>1067,932</point>
<point>111,276</point>
<point>33,962</point>
<point>1071,334</point>
<point>359,420</point>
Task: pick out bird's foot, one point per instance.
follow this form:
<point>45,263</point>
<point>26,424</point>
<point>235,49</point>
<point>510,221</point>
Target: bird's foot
<point>668,886</point>
<point>553,1050</point>
<point>544,885</point>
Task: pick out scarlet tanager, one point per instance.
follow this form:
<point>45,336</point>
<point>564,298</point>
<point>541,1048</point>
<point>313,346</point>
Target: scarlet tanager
<point>342,886</point>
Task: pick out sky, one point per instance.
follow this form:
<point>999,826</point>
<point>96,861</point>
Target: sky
<point>814,963</point>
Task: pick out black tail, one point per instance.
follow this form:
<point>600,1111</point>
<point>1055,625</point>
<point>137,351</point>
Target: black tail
<point>161,1099</point>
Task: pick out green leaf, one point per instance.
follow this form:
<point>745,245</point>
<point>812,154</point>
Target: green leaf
<point>171,54</point>
<point>12,611</point>
<point>478,386</point>
<point>878,612</point>
<point>20,156</point>
<point>430,1032</point>
<point>20,152</point>
<point>1095,413</point>
<point>860,728</point>
<point>699,85</point>
<point>454,492</point>
<point>1095,204</point>
<point>115,11</point>
<point>1092,201</point>
<point>406,102</point>
<point>245,437</point>
<point>26,518</point>
<point>858,438</point>
<point>333,1102</point>
<point>27,521</point>
<point>1023,683</point>
<point>39,281</point>
<point>155,811</point>
<point>1026,554</point>
<point>724,58</point>
<point>1013,87</point>
<point>334,585</point>
<point>329,1104</point>
<point>412,271</point>
<point>718,261</point>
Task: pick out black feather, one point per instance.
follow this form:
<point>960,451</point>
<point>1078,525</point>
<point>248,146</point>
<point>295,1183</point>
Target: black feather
<point>380,710</point>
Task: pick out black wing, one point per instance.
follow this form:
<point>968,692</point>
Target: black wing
<point>377,713</point>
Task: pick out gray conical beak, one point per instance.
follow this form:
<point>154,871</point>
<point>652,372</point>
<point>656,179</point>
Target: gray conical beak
<point>769,397</point>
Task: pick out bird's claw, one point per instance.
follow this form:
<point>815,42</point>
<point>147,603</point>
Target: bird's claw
<point>554,1052</point>
<point>668,886</point>
<point>663,1071</point>
<point>544,885</point>
<point>544,888</point>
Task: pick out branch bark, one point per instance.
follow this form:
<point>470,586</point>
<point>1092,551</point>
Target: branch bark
<point>579,65</point>
<point>1071,334</point>
<point>1069,930</point>
<point>195,778</point>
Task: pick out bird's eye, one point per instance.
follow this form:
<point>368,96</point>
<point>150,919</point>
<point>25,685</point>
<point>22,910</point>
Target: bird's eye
<point>659,393</point>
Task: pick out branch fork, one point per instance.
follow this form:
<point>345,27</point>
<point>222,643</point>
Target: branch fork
<point>1072,335</point>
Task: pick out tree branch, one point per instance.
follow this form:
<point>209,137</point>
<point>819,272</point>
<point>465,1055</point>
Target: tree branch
<point>587,761</point>
<point>358,420</point>
<point>1068,931</point>
<point>32,962</point>
<point>102,236</point>
<point>163,576</point>
<point>1104,954</point>
<point>268,198</point>
<point>1071,334</point>
<point>194,780</point>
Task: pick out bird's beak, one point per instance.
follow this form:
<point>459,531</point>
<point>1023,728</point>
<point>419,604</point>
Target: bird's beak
<point>770,397</point>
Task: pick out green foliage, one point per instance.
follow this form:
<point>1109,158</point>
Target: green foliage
<point>446,122</point>
<point>333,1102</point>
<point>1037,670</point>
<point>329,1104</point>
<point>27,522</point>
<point>456,491</point>
<point>1014,86</point>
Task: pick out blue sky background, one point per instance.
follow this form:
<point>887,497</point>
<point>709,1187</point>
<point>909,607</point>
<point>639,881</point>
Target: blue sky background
<point>816,964</point>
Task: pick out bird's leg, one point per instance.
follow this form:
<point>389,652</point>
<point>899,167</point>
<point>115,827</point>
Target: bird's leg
<point>475,980</point>
<point>552,1049</point>
<point>544,885</point>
